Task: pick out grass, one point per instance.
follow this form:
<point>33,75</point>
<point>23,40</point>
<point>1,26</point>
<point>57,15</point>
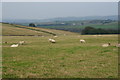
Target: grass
<point>67,58</point>
<point>113,25</point>
<point>17,30</point>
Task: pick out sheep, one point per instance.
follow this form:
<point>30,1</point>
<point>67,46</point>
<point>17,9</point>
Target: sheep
<point>52,41</point>
<point>55,36</point>
<point>21,42</point>
<point>82,40</point>
<point>5,42</point>
<point>106,45</point>
<point>64,34</point>
<point>118,45</point>
<point>95,35</point>
<point>14,45</point>
<point>99,35</point>
<point>42,36</point>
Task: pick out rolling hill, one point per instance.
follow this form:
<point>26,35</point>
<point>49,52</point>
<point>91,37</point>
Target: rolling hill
<point>67,58</point>
<point>18,30</point>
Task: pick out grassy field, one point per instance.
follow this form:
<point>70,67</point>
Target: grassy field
<point>67,58</point>
<point>12,30</point>
<point>8,29</point>
<point>113,25</point>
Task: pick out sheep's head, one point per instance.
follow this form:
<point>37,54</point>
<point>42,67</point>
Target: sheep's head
<point>109,43</point>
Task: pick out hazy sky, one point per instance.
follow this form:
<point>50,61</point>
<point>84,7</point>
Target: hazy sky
<point>44,10</point>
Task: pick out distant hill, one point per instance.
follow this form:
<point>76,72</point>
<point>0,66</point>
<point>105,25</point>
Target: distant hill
<point>83,18</point>
<point>113,17</point>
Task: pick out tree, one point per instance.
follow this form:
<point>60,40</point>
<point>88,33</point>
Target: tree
<point>82,23</point>
<point>88,30</point>
<point>32,25</point>
<point>91,30</point>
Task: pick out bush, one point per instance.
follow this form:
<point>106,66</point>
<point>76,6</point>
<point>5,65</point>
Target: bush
<point>91,30</point>
<point>32,25</point>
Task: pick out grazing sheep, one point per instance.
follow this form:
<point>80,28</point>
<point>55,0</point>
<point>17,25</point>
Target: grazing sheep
<point>118,45</point>
<point>42,36</point>
<point>106,45</point>
<point>52,41</point>
<point>14,45</point>
<point>55,36</point>
<point>5,42</point>
<point>99,35</point>
<point>82,40</point>
<point>21,42</point>
<point>95,35</point>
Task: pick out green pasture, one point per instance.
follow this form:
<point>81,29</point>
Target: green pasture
<point>113,25</point>
<point>67,58</point>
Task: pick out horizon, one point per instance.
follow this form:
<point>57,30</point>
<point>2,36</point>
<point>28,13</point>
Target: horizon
<point>62,17</point>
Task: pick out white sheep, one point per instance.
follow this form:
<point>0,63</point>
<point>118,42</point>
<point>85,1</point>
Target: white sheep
<point>82,40</point>
<point>52,41</point>
<point>99,35</point>
<point>21,42</point>
<point>5,42</point>
<point>106,45</point>
<point>42,36</point>
<point>64,34</point>
<point>14,45</point>
<point>55,36</point>
<point>118,45</point>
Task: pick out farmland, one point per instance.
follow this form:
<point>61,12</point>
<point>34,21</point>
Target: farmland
<point>77,27</point>
<point>67,58</point>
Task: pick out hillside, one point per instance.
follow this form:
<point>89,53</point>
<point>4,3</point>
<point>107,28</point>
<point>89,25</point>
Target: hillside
<point>67,58</point>
<point>78,27</point>
<point>113,25</point>
<point>18,30</point>
<point>8,29</point>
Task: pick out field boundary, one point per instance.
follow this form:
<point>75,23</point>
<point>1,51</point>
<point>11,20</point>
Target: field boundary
<point>21,35</point>
<point>30,28</point>
<point>36,30</point>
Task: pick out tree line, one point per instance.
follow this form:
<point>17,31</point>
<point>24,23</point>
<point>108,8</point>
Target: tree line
<point>91,30</point>
<point>87,30</point>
